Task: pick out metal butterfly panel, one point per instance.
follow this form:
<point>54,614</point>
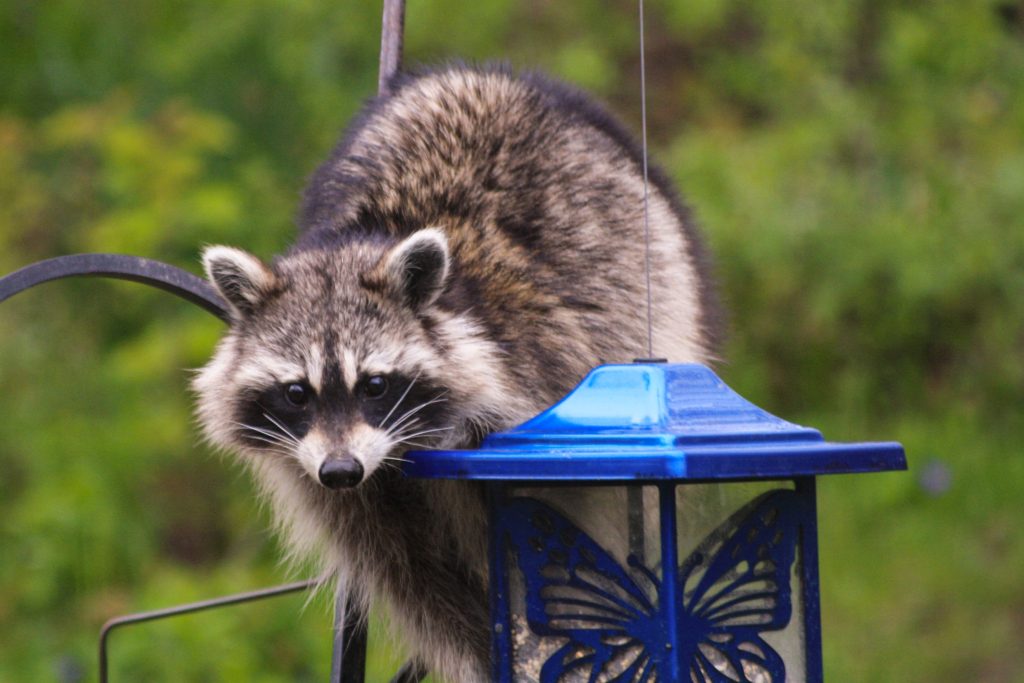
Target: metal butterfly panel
<point>609,621</point>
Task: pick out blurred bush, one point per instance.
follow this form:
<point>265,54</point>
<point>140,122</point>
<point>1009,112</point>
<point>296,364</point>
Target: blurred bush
<point>858,167</point>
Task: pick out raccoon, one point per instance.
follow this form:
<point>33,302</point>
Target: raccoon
<point>472,247</point>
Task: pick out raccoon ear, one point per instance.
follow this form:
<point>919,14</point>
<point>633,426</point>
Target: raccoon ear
<point>417,267</point>
<point>242,279</point>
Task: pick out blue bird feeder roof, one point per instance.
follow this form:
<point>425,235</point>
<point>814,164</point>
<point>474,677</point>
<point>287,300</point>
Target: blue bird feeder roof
<point>654,421</point>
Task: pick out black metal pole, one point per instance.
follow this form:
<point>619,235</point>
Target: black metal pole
<point>391,39</point>
<point>410,673</point>
<point>348,662</point>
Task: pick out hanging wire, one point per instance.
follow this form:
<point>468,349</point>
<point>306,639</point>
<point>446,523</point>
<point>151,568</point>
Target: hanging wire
<point>647,227</point>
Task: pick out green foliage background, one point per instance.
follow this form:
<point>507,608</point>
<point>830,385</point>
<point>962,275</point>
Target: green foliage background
<point>858,167</point>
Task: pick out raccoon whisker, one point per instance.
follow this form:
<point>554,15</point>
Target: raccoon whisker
<point>273,439</point>
<point>410,413</point>
<point>266,434</point>
<point>402,426</point>
<point>391,465</point>
<point>400,399</point>
<point>280,425</point>
<point>417,444</point>
<point>271,447</point>
<point>439,398</point>
<point>396,431</point>
<point>275,446</point>
<point>263,439</point>
<point>259,430</point>
<point>406,437</point>
<point>402,421</point>
<point>284,429</point>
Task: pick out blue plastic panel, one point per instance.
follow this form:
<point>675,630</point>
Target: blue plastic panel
<point>654,421</point>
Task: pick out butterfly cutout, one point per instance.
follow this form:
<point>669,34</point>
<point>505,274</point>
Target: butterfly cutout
<point>734,587</point>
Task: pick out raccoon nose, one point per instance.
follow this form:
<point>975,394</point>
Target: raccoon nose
<point>340,473</point>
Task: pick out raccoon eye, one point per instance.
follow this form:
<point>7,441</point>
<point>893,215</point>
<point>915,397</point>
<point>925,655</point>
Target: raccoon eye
<point>375,386</point>
<point>296,394</point>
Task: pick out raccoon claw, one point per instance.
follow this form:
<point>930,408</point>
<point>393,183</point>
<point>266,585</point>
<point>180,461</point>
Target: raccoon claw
<point>340,473</point>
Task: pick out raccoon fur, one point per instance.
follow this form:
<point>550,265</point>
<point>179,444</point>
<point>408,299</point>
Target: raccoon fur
<point>472,247</point>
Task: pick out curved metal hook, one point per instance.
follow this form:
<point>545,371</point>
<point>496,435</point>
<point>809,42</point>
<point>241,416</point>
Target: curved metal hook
<point>122,267</point>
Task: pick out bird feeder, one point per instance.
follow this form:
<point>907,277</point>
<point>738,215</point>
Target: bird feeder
<point>654,526</point>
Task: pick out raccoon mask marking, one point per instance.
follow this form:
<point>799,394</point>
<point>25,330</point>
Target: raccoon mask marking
<point>468,252</point>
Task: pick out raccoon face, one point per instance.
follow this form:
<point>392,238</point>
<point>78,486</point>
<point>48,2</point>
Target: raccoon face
<point>333,361</point>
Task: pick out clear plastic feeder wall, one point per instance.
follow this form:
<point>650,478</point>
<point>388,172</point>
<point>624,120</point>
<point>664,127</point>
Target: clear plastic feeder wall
<point>654,526</point>
<point>645,583</point>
